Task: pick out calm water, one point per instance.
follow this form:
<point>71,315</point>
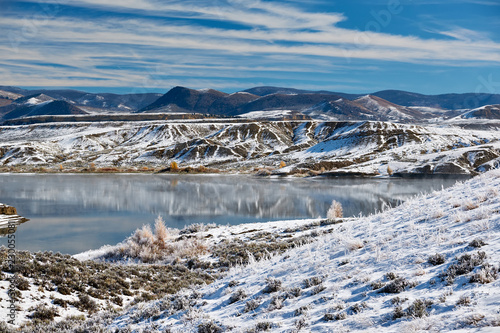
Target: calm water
<point>75,213</point>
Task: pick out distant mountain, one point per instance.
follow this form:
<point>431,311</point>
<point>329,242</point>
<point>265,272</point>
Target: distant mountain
<point>229,104</point>
<point>325,106</point>
<point>392,105</point>
<point>399,97</point>
<point>33,99</point>
<point>444,101</point>
<point>181,99</point>
<point>116,102</point>
<point>15,90</point>
<point>9,95</point>
<point>339,109</point>
<point>269,90</point>
<point>6,97</point>
<point>484,112</point>
<point>387,110</point>
<point>51,107</point>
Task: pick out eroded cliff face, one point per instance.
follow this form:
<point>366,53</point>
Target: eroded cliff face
<point>358,146</point>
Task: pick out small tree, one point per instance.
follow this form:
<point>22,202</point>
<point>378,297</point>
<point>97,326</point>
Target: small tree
<point>60,167</point>
<point>335,211</point>
<point>282,164</point>
<point>174,166</point>
<point>389,171</point>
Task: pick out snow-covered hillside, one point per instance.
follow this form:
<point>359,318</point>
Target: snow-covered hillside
<point>361,146</point>
<point>430,264</point>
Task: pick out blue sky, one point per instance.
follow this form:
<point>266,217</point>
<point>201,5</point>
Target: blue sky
<point>356,46</point>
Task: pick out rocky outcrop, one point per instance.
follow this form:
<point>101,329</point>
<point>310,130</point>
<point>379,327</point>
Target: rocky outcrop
<point>7,210</point>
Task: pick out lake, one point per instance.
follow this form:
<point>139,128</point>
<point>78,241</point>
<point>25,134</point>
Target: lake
<point>72,213</point>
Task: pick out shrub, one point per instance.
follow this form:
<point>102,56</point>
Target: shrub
<point>152,247</point>
<point>398,300</point>
<point>276,303</point>
<point>161,232</point>
<point>294,292</point>
<point>21,283</point>
<point>233,283</point>
<point>209,327</point>
<point>473,319</point>
<point>463,301</point>
<point>273,285</point>
<point>335,316</point>
<point>477,243</point>
<point>396,286</point>
<point>282,164</point>
<point>357,308</point>
<point>389,171</point>
<point>300,323</point>
<point>85,303</point>
<point>238,295</point>
<point>319,288</point>
<point>487,274</point>
<point>44,313</point>
<point>251,305</point>
<point>301,311</point>
<point>64,290</point>
<point>436,259</point>
<point>263,326</point>
<point>15,294</point>
<point>418,309</point>
<point>60,302</point>
<point>398,312</point>
<point>335,211</point>
<point>377,285</point>
<point>465,264</point>
<point>313,281</point>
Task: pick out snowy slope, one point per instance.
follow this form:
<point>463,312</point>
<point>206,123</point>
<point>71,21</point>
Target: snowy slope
<point>386,109</point>
<point>336,284</point>
<point>367,147</point>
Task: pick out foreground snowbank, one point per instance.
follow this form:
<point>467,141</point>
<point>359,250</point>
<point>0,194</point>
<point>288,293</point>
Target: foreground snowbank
<point>429,264</point>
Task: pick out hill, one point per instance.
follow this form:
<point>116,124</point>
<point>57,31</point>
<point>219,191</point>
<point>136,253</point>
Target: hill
<point>33,107</point>
<point>430,264</point>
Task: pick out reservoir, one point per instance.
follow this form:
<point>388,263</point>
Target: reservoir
<point>72,213</point>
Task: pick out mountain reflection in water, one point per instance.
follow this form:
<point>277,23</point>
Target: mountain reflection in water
<point>72,213</point>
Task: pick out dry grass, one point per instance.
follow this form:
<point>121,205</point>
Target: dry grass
<point>470,205</point>
<point>335,211</point>
<point>158,246</point>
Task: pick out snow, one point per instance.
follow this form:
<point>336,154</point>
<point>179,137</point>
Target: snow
<point>351,258</point>
<point>348,258</point>
<point>243,144</point>
<point>427,109</point>
<point>33,101</point>
<point>265,114</point>
<point>240,93</point>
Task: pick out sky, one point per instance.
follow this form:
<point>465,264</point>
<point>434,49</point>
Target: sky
<point>356,46</point>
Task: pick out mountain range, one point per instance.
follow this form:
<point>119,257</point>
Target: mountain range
<point>387,105</point>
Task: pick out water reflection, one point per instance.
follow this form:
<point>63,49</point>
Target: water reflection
<point>73,213</point>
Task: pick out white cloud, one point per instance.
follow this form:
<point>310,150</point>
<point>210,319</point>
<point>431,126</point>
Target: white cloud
<point>275,32</point>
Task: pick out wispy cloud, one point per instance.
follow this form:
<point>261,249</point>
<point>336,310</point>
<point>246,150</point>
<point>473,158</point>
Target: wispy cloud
<point>270,38</point>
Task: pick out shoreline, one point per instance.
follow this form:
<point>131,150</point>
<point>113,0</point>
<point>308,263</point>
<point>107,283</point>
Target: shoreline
<point>262,172</point>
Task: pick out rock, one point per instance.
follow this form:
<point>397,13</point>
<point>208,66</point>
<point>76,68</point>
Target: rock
<point>7,210</point>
